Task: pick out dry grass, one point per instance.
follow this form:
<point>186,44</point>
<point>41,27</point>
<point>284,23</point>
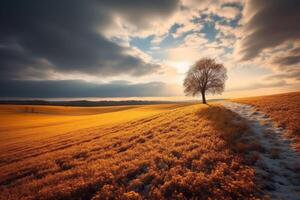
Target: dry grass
<point>29,123</point>
<point>179,154</point>
<point>284,109</point>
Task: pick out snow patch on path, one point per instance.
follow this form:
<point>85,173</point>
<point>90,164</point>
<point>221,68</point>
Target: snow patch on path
<point>279,165</point>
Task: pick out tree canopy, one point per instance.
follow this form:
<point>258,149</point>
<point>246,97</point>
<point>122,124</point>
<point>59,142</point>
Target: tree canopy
<point>205,76</point>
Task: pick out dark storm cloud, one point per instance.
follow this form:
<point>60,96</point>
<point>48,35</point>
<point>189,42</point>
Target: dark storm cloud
<point>67,33</point>
<point>12,61</point>
<point>273,23</point>
<point>289,65</point>
<point>287,60</point>
<point>79,89</point>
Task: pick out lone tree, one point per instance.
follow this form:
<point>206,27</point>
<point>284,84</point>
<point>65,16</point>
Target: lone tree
<point>205,76</point>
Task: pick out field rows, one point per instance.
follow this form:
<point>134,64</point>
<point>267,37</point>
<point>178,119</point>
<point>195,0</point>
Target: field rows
<point>176,152</point>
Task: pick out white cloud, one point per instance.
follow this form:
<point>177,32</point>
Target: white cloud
<point>194,40</point>
<point>228,12</point>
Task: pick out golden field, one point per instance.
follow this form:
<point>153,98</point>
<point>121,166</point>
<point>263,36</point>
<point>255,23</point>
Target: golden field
<point>37,122</point>
<point>176,151</point>
<point>284,109</point>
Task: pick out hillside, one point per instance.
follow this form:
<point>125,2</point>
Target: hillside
<point>284,109</point>
<point>182,152</point>
<point>82,103</point>
<point>28,123</point>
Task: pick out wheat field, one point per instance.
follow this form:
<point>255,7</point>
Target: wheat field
<point>128,152</point>
<point>33,123</point>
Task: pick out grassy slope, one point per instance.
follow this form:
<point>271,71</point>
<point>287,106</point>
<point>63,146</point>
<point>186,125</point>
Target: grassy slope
<point>60,110</point>
<point>283,109</point>
<point>27,123</point>
<point>185,152</point>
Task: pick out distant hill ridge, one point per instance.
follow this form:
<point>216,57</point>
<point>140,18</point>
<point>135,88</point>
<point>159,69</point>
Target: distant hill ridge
<point>83,103</point>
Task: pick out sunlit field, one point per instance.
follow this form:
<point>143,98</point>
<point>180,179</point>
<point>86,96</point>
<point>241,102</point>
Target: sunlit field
<point>129,152</point>
<point>28,123</point>
<point>146,100</point>
<point>284,109</point>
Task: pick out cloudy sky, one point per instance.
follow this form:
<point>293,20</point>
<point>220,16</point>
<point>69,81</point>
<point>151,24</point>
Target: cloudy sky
<point>142,49</point>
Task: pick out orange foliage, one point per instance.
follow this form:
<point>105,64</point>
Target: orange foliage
<point>283,109</point>
<point>180,154</point>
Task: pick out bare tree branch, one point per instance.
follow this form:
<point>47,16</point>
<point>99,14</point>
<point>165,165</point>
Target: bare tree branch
<point>205,76</point>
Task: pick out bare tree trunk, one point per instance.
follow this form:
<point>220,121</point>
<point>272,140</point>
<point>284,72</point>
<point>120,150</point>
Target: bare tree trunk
<point>203,97</point>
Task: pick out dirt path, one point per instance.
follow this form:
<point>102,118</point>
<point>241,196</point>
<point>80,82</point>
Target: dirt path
<point>279,166</point>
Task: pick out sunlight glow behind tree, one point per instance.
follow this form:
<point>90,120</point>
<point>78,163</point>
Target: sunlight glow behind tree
<point>205,76</point>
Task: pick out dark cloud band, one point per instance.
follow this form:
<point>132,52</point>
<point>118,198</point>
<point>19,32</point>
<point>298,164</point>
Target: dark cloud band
<point>80,89</point>
<point>272,23</point>
<point>69,35</point>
